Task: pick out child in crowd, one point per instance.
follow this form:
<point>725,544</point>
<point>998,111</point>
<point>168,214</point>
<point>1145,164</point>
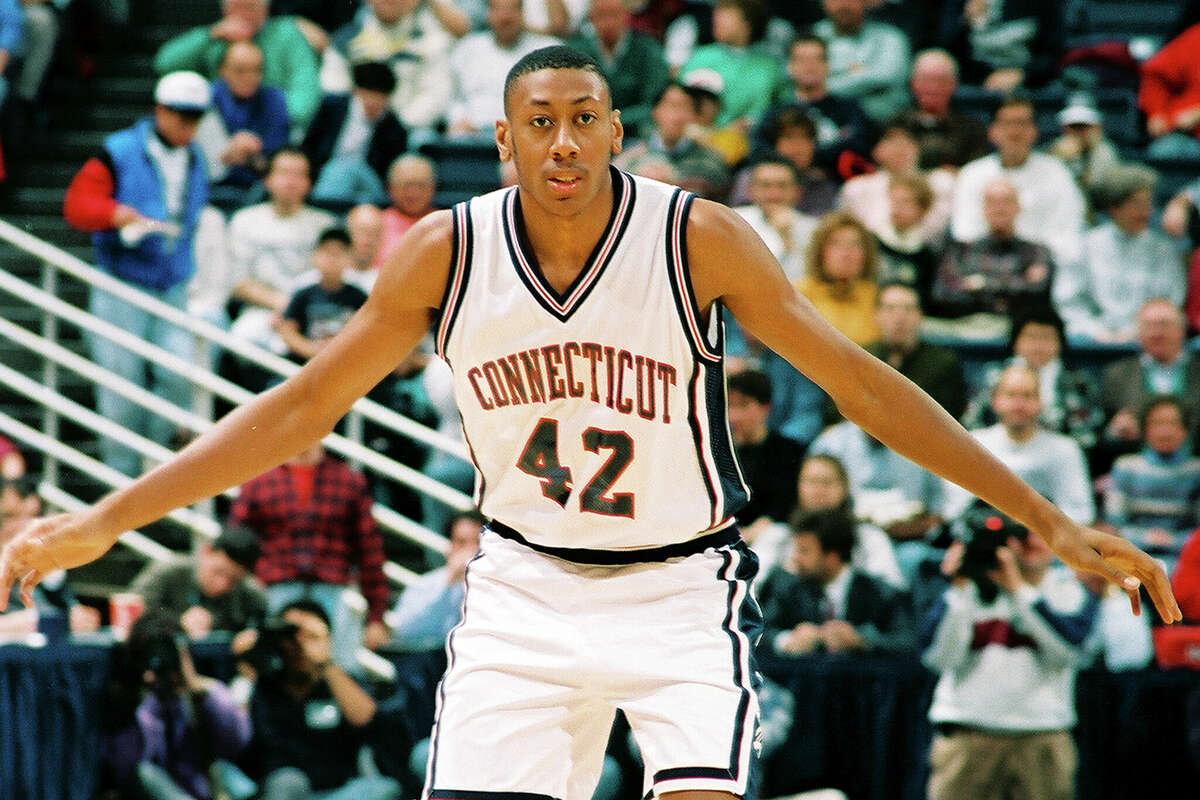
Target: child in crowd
<point>319,310</point>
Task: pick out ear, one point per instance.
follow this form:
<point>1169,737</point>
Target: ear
<point>618,140</point>
<point>503,140</point>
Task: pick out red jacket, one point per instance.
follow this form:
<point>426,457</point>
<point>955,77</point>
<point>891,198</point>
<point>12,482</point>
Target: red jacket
<point>1171,78</point>
<point>1185,581</point>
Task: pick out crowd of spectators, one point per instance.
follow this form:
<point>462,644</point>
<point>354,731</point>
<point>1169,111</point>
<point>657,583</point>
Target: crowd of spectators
<point>282,163</point>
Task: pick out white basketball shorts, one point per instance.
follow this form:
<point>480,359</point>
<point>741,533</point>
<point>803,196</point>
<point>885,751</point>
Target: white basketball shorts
<point>548,650</point>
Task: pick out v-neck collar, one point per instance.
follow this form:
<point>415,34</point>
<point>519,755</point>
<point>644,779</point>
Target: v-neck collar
<point>562,305</point>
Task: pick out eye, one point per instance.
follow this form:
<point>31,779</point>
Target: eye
<point>586,118</point>
<point>540,122</point>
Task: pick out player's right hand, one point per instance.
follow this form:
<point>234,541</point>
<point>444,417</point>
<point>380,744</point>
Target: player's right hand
<point>45,544</point>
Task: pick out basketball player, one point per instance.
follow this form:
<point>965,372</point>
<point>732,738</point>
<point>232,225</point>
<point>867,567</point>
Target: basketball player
<point>581,313</point>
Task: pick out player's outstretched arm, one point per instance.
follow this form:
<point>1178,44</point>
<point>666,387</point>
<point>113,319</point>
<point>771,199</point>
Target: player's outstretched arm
<point>264,432</point>
<point>728,262</point>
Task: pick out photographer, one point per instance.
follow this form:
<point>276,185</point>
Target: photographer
<point>309,716</point>
<point>166,725</point>
<point>1007,637</point>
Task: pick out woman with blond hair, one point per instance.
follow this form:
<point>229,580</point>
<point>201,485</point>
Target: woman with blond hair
<point>841,264</point>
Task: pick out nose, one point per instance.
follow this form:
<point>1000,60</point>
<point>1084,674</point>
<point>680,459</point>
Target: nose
<point>564,146</point>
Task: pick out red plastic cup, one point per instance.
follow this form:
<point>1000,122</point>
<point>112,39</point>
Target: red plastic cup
<point>123,610</point>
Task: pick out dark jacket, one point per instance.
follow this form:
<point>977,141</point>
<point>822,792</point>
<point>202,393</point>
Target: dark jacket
<point>388,140</point>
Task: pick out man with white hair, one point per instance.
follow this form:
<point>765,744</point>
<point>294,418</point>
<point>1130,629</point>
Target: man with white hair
<point>945,137</point>
<point>412,182</point>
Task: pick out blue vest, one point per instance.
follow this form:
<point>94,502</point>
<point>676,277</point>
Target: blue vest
<point>157,262</point>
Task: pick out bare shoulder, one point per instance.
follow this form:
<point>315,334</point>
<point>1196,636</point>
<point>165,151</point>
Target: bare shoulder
<point>415,274</point>
<point>725,256</point>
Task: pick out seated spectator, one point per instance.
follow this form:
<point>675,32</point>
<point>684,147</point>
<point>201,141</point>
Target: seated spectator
<point>53,598</point>
<point>558,18</point>
<point>672,136</point>
<point>1153,497</point>
<point>996,273</point>
<point>29,33</point>
<point>310,718</point>
<point>214,590</point>
<point>271,244</point>
<point>317,311</point>
<point>896,153</point>
<point>774,193</point>
<point>1185,581</point>
<point>1168,97</point>
<point>1053,464</point>
<point>364,224</point>
<point>479,63</point>
<point>248,122</point>
<point>770,463</point>
<point>633,62</point>
<point>354,139</point>
<point>431,606</point>
<point>868,60</point>
<point>1163,366</point>
<point>1051,205</point>
<point>412,182</point>
<point>791,134</point>
<point>313,519</point>
<point>12,463</point>
<point>1070,398</point>
<point>1083,147</point>
<point>840,276</point>
<point>211,284</point>
<point>1006,646</point>
<point>412,40</point>
<point>750,75</point>
<point>908,252</point>
<point>819,601</point>
<point>1003,46</point>
<point>945,137</point>
<point>935,369</point>
<point>840,125</point>
<point>1125,262</point>
<point>166,725</point>
<point>289,63</point>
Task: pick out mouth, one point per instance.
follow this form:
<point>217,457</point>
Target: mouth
<point>564,184</point>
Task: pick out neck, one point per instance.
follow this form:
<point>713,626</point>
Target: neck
<point>285,209</point>
<point>1020,433</point>
<point>811,93</point>
<point>563,244</point>
<point>1013,160</point>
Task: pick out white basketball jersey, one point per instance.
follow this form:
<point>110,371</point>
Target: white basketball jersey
<point>596,417</point>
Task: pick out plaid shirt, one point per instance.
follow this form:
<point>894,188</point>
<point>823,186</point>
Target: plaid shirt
<point>325,540</point>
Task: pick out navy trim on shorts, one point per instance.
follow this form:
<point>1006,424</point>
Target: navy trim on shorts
<point>465,794</point>
<point>715,773</point>
<point>642,555</point>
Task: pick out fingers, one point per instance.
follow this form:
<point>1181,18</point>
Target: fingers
<point>1129,568</point>
<point>28,582</point>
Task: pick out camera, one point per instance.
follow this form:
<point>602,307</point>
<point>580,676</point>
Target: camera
<point>984,531</point>
<point>267,657</point>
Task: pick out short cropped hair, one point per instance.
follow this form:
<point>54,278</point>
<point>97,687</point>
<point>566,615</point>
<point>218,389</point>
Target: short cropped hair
<point>240,544</point>
<point>835,530</point>
<point>753,383</point>
<point>374,77</point>
<point>558,56</point>
<point>308,607</point>
<point>1173,400</point>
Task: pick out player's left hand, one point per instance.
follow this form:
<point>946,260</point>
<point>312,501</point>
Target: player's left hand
<point>45,544</point>
<point>1118,561</point>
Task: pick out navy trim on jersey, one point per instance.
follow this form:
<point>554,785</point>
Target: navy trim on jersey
<point>460,272</point>
<point>733,484</point>
<point>642,555</point>
<point>698,440</point>
<point>467,794</point>
<point>524,260</point>
<point>678,209</point>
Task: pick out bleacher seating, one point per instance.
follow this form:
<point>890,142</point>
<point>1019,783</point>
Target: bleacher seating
<point>464,169</point>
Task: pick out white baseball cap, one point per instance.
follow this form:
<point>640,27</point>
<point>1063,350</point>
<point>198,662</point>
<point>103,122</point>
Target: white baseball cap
<point>183,91</point>
<point>1079,114</point>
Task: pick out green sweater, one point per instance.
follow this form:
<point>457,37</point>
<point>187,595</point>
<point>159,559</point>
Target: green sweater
<point>637,76</point>
<point>752,78</point>
<point>289,63</point>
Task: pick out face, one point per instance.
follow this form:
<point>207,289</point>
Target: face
<point>1037,344</point>
<point>844,257</point>
<point>1161,331</point>
<point>411,187</point>
<point>1035,553</point>
<point>15,509</point>
<point>898,315</point>
<point>906,210</point>
<point>1165,432</point>
<point>560,131</point>
<point>747,417</point>
<point>464,536</point>
<point>311,629</point>
<point>217,573</point>
<point>773,186</point>
<point>1015,399</point>
<point>819,487</point>
<point>365,226</point>
<point>610,20</point>
<point>374,103</point>
<point>806,556</point>
<point>897,151</point>
<point>288,181</point>
<point>177,128</point>
<point>730,26</point>
<point>806,64</point>
<point>242,69</point>
<point>1133,215</point>
<point>1001,207</point>
<point>252,12</point>
<point>332,259</point>
<point>505,20</point>
<point>796,146</point>
<point>1086,133</point>
<point>846,14</point>
<point>673,113</point>
<point>933,84</point>
<point>390,11</point>
<point>1013,131</point>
